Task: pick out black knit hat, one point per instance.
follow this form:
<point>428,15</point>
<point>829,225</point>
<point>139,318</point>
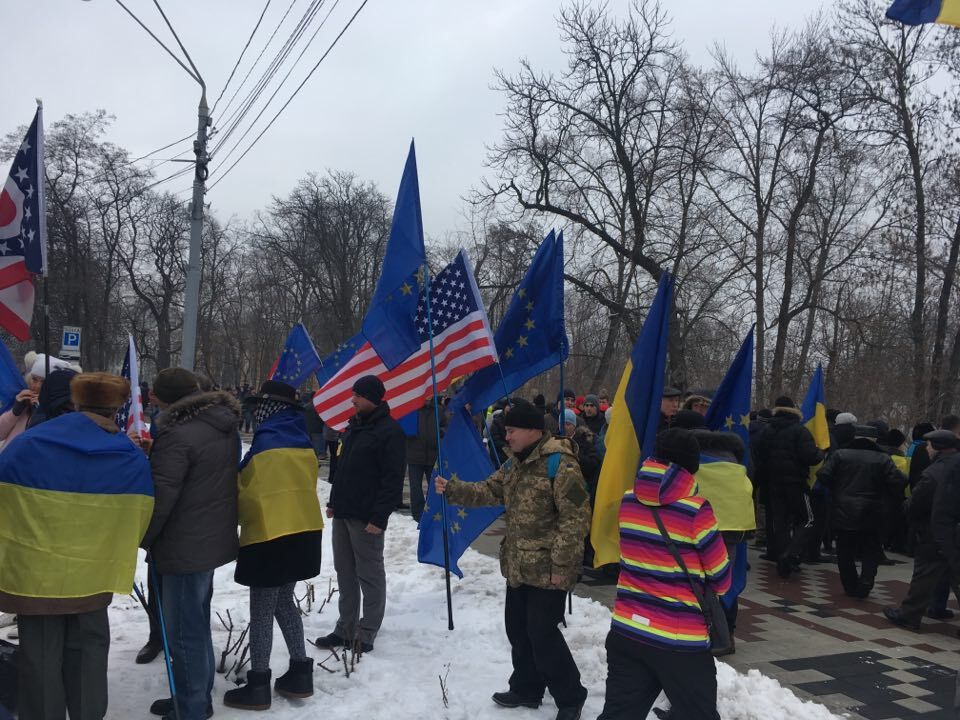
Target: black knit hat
<point>568,393</point>
<point>688,420</point>
<point>279,391</point>
<point>371,388</point>
<point>523,414</point>
<point>55,393</point>
<point>540,401</point>
<point>784,401</point>
<point>678,446</point>
<point>172,384</point>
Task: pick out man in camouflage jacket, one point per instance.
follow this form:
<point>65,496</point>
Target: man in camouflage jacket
<point>547,517</point>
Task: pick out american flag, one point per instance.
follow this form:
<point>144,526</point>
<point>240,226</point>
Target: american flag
<point>22,232</point>
<point>462,343</point>
<point>131,416</point>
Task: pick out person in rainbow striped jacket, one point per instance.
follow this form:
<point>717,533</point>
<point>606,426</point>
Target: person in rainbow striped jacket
<point>658,638</point>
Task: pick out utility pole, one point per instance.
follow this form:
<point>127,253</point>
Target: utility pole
<point>191,304</point>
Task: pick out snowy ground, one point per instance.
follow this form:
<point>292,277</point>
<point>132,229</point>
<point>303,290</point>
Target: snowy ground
<point>400,679</point>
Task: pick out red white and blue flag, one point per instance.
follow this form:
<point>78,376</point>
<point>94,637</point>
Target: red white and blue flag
<point>23,232</point>
<point>462,343</point>
<point>131,417</point>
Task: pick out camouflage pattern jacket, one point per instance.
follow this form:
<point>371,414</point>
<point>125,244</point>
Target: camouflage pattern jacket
<point>546,519</point>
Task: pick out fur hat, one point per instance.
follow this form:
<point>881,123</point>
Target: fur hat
<point>784,401</point>
<point>99,391</point>
<point>174,383</point>
<point>678,446</point>
<point>523,414</point>
<point>689,420</point>
<point>371,388</point>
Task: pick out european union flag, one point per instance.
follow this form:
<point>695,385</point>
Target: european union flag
<point>531,338</point>
<point>391,321</point>
<point>464,458</point>
<point>730,409</point>
<point>298,359</point>
<point>11,381</point>
<point>332,364</point>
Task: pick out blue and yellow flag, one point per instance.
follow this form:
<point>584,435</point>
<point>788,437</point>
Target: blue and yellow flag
<point>391,320</point>
<point>530,338</point>
<point>921,12</point>
<point>730,409</point>
<point>633,425</point>
<point>278,481</point>
<point>814,410</point>
<point>75,501</point>
<point>464,458</point>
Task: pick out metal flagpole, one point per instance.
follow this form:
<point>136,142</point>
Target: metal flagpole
<point>436,418</point>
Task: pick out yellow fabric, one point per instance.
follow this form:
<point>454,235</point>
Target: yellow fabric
<point>727,488</point>
<point>949,13</point>
<point>57,544</point>
<point>278,495</point>
<point>903,465</point>
<point>617,475</point>
<point>817,425</point>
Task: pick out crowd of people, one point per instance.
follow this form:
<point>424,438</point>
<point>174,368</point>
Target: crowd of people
<point>189,496</point>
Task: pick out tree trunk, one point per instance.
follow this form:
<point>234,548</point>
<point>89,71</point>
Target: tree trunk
<point>936,401</point>
<point>606,358</point>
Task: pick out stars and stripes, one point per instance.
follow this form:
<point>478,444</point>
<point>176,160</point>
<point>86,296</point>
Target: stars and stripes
<point>462,343</point>
<point>131,415</point>
<point>22,232</point>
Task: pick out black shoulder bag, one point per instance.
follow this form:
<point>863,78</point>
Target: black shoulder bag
<point>708,600</point>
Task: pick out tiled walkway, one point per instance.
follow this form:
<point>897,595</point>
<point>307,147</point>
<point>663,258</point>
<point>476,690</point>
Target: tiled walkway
<point>836,650</point>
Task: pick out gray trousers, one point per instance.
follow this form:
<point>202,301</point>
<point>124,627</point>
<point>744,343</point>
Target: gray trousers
<point>63,666</point>
<point>358,560</point>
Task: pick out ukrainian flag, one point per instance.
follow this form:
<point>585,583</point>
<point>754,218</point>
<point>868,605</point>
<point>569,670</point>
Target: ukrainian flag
<point>921,12</point>
<point>814,409</point>
<point>633,424</point>
<point>278,481</point>
<point>75,501</point>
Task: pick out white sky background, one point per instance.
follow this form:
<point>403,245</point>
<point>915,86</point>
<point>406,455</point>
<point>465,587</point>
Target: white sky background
<point>406,68</point>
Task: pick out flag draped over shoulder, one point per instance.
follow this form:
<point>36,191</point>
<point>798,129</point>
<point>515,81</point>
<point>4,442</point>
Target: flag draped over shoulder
<point>11,381</point>
<point>75,501</point>
<point>390,324</point>
<point>464,458</point>
<point>23,232</point>
<point>462,342</point>
<point>921,12</point>
<point>814,410</point>
<point>633,425</point>
<point>277,487</point>
<point>298,360</point>
<point>530,338</point>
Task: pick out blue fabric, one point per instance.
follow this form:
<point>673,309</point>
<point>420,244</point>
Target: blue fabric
<point>535,314</point>
<point>649,361</point>
<point>334,362</point>
<point>186,614</point>
<point>390,323</point>
<point>915,12</point>
<point>27,188</point>
<point>463,454</point>
<point>730,409</point>
<point>11,381</point>
<point>46,457</point>
<point>739,578</point>
<point>815,396</point>
<point>285,429</point>
<point>298,360</point>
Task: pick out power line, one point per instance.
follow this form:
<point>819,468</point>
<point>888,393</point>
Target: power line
<point>299,87</point>
<point>196,73</point>
<point>278,88</point>
<point>173,176</point>
<point>160,42</point>
<point>279,59</point>
<point>154,152</point>
<point>237,64</point>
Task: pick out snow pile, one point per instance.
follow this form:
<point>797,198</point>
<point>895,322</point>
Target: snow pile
<point>401,677</point>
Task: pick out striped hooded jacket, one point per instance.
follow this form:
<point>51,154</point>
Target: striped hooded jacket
<point>655,604</point>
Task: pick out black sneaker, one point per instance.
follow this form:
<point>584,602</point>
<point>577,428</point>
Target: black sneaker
<point>164,708</point>
<point>330,641</point>
<point>510,699</point>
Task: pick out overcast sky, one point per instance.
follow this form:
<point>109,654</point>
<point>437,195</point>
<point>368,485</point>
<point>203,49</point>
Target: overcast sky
<point>406,68</point>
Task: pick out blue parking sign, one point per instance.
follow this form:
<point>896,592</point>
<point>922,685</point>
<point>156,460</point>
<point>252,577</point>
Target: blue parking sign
<point>70,346</point>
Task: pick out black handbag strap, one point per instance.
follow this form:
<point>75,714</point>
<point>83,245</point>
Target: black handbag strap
<point>697,591</point>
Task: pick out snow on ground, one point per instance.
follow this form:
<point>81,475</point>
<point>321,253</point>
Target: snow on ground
<point>400,678</point>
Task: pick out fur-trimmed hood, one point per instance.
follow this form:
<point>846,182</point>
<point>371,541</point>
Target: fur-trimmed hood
<point>719,444</point>
<point>787,411</point>
<point>219,409</point>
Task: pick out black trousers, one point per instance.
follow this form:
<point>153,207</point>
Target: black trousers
<point>154,588</point>
<point>792,520</point>
<point>930,569</point>
<point>867,543</point>
<point>636,673</point>
<point>541,658</point>
<point>63,666</point>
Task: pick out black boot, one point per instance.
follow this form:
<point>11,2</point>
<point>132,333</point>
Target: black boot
<point>164,708</point>
<point>570,713</point>
<point>148,652</point>
<point>510,699</point>
<point>297,682</point>
<point>255,695</point>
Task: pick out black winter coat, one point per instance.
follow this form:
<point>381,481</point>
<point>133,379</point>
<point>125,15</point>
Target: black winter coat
<point>422,449</point>
<point>194,463</point>
<point>920,509</point>
<point>945,518</point>
<point>368,485</point>
<point>784,451</point>
<point>858,477</point>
